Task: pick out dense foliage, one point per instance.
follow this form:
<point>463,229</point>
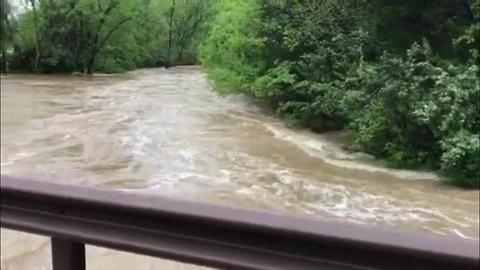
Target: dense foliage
<point>101,35</point>
<point>403,75</point>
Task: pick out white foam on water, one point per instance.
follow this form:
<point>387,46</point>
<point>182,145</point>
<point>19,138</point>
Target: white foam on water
<point>332,154</point>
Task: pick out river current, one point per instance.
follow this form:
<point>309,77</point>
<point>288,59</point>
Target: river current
<point>166,132</point>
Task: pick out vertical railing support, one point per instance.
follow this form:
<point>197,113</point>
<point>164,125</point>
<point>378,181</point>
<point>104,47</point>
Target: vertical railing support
<point>67,255</point>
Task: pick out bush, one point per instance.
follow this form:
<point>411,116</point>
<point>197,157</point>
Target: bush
<point>402,96</point>
<point>461,158</point>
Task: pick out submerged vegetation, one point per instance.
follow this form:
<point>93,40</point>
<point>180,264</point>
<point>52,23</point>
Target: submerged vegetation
<point>403,76</point>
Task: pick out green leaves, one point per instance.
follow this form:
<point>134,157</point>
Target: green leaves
<point>461,158</point>
<point>426,109</point>
<point>272,83</point>
<point>231,51</point>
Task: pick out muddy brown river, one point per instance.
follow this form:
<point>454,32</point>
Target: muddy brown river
<point>166,132</point>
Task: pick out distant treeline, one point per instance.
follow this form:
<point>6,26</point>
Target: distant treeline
<point>100,35</point>
<point>402,75</point>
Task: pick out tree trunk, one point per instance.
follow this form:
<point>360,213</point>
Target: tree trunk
<point>4,61</point>
<point>170,33</point>
<point>37,39</point>
<point>91,62</point>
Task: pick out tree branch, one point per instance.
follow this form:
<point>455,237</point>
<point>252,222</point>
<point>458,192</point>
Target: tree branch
<point>104,40</point>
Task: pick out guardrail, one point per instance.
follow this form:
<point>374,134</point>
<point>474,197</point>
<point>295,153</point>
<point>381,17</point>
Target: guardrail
<point>215,236</point>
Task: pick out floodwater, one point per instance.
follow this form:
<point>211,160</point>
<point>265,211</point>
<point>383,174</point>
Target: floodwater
<point>166,132</point>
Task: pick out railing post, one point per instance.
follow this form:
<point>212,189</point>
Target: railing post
<point>67,255</point>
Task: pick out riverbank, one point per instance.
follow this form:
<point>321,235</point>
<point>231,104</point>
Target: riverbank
<point>408,104</point>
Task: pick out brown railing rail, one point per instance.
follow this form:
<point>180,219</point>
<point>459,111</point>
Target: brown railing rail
<point>215,236</point>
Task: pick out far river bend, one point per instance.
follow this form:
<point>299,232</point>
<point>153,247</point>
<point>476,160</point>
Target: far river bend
<point>166,132</point>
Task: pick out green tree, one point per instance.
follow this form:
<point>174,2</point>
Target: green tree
<point>7,32</point>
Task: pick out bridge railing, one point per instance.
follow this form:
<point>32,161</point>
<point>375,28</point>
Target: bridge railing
<point>215,236</point>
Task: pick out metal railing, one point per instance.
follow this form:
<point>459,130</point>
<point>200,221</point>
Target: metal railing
<point>215,236</point>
